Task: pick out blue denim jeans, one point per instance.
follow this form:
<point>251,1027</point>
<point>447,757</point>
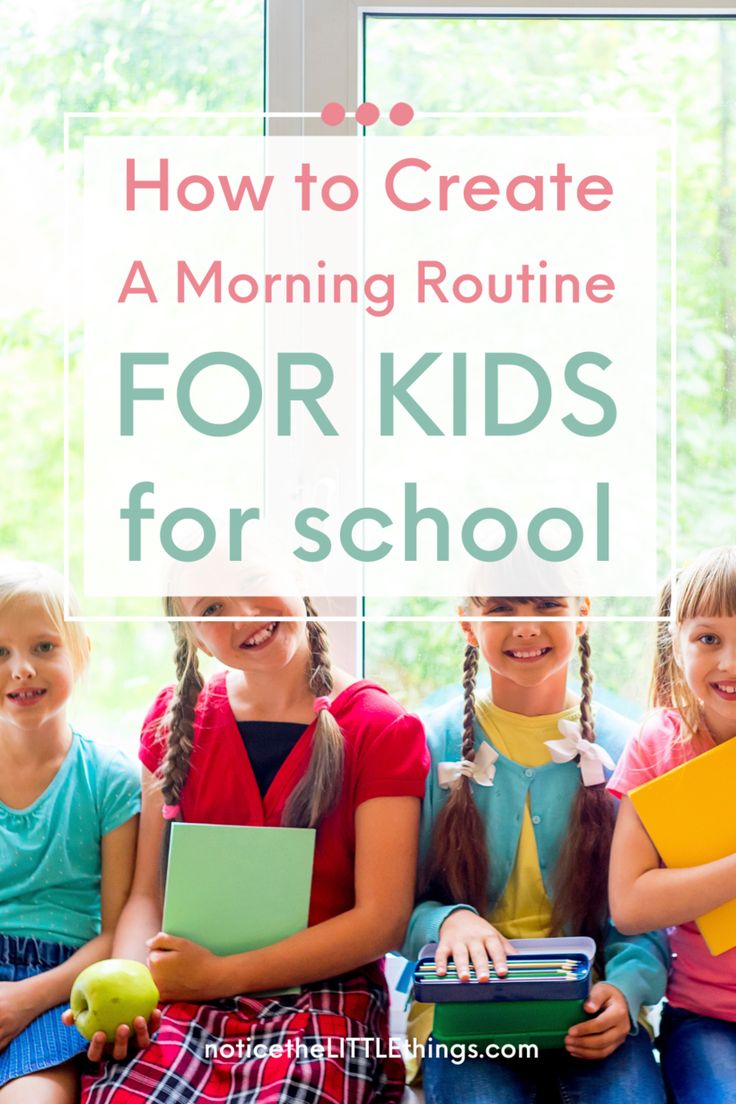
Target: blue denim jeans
<point>698,1057</point>
<point>628,1076</point>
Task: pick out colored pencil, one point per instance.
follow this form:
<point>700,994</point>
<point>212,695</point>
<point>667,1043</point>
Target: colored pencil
<point>514,967</point>
<point>514,964</point>
<point>528,962</point>
<point>452,975</point>
<point>517,973</point>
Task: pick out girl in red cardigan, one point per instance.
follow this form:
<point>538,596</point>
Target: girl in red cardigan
<point>279,738</point>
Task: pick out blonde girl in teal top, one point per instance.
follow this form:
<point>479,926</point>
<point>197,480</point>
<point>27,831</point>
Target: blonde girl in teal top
<point>68,825</point>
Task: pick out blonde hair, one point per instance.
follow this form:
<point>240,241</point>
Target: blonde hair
<point>705,588</point>
<point>660,682</point>
<point>20,579</point>
<point>319,788</point>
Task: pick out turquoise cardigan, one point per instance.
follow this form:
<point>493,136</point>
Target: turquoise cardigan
<point>637,965</point>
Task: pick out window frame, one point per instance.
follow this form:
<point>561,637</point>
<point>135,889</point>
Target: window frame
<point>314,54</point>
<point>315,48</point>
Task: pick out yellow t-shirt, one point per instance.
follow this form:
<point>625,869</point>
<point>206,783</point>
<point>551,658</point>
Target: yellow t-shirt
<point>524,910</point>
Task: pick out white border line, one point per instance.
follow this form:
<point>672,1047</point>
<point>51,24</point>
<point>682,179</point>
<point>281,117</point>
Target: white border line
<point>673,359</point>
<point>66,192</point>
<point>610,116</point>
<point>439,618</point>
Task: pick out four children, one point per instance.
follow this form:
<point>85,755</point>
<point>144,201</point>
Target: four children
<point>516,830</point>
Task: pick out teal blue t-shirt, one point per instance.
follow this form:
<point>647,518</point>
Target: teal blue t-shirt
<point>50,852</point>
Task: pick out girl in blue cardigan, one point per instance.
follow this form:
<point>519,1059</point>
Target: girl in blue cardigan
<point>516,833</point>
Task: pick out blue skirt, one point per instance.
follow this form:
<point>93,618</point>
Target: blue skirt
<point>46,1041</point>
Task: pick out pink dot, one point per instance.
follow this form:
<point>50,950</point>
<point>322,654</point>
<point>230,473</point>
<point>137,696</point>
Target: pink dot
<point>367,114</point>
<point>401,114</point>
<point>333,114</point>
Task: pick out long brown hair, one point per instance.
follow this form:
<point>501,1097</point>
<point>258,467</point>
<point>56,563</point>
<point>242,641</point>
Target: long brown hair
<point>458,864</point>
<point>319,788</point>
<point>580,879</point>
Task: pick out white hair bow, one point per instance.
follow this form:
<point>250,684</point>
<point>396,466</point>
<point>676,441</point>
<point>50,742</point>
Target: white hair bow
<point>482,769</point>
<point>593,757</point>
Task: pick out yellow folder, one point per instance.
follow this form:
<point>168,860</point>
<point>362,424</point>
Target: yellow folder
<point>689,816</point>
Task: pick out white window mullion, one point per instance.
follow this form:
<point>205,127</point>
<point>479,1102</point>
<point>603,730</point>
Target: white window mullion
<point>309,61</point>
<point>312,59</point>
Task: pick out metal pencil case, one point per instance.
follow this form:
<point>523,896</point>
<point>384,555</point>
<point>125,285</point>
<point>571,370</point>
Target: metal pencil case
<point>432,990</point>
<point>523,1009</point>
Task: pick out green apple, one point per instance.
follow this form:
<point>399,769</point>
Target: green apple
<point>110,993</point>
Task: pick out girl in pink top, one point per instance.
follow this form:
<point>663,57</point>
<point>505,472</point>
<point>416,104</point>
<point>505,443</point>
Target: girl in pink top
<point>695,686</point>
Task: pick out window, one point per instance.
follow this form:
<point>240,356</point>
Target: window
<point>79,55</point>
<point>88,56</point>
<point>475,56</point>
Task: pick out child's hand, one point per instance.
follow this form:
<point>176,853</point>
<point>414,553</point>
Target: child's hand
<point>599,1037</point>
<point>184,970</point>
<point>466,937</point>
<point>99,1046</point>
<point>16,1012</point>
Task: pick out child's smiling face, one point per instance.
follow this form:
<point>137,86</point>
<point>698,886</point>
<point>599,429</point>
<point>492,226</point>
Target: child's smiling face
<point>36,669</point>
<point>264,643</point>
<point>524,656</point>
<point>705,650</point>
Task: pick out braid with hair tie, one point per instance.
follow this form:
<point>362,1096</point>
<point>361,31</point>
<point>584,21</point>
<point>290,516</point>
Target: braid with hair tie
<point>470,674</point>
<point>178,724</point>
<point>319,788</point>
<point>179,720</point>
<point>320,675</point>
<point>580,878</point>
<point>586,696</point>
<point>457,866</point>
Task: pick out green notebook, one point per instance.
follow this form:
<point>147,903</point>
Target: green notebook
<point>236,889</point>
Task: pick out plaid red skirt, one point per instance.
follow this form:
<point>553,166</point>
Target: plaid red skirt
<point>327,1045</point>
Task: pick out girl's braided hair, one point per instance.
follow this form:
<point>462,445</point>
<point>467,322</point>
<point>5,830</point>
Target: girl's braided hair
<point>580,879</point>
<point>318,790</point>
<point>458,865</point>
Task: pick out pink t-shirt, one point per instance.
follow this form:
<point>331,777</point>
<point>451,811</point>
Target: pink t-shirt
<point>699,981</point>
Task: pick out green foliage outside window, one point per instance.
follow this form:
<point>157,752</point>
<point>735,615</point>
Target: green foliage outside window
<point>208,56</point>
